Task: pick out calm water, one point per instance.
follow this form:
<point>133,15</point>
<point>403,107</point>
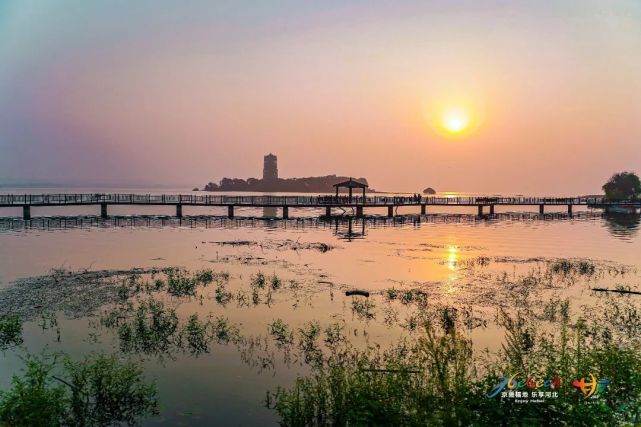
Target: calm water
<point>432,253</point>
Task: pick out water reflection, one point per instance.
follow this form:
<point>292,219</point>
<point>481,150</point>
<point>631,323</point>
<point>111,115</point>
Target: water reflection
<point>623,226</point>
<point>350,229</point>
<point>452,257</point>
<point>270,212</point>
<point>344,227</point>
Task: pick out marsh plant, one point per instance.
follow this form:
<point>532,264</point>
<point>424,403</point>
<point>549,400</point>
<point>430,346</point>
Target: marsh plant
<point>152,329</point>
<point>363,308</point>
<point>435,377</point>
<point>258,280</point>
<point>567,266</point>
<point>10,332</point>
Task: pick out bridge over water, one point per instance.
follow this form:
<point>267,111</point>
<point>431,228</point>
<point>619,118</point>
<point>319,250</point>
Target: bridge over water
<point>358,203</point>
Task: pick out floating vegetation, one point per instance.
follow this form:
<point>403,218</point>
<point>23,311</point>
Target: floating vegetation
<point>99,390</point>
<point>406,296</point>
<point>286,244</point>
<point>80,294</point>
<point>77,294</point>
<point>567,266</point>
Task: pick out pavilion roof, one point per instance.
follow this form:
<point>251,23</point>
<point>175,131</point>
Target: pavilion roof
<point>351,183</point>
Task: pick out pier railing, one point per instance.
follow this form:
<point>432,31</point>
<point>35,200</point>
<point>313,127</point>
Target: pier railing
<point>276,200</point>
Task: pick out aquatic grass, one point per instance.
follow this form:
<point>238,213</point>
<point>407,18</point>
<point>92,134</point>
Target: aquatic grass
<point>224,332</point>
<point>567,267</point>
<point>152,330</point>
<point>281,333</point>
<point>275,282</point>
<point>308,336</point>
<point>196,332</point>
<point>258,280</point>
<point>180,284</point>
<point>413,296</point>
<point>255,297</point>
<point>366,387</point>
<point>555,309</point>
<point>334,335</point>
<point>222,295</point>
<point>391,294</point>
<point>205,276</point>
<point>10,332</point>
<point>363,308</point>
<point>436,378</point>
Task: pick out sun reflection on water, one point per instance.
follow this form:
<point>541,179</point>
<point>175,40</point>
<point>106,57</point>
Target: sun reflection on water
<point>452,257</point>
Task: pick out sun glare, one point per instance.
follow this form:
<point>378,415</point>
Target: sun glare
<point>455,120</point>
<point>454,113</point>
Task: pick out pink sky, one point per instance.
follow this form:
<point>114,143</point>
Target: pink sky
<point>157,93</point>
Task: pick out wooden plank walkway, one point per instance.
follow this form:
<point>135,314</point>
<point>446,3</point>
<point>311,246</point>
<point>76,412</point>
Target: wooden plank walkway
<point>27,201</point>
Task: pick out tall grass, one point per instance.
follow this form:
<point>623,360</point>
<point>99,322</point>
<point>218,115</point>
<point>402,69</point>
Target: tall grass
<point>436,378</point>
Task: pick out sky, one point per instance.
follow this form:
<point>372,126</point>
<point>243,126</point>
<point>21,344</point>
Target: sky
<point>171,93</point>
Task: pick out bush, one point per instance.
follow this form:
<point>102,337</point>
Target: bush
<point>97,391</point>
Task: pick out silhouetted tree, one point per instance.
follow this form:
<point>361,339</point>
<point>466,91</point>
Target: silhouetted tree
<point>623,185</point>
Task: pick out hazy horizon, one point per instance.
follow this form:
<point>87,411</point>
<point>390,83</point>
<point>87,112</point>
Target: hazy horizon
<point>164,94</point>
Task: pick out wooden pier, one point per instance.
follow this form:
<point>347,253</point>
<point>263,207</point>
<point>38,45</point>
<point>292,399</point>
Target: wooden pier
<point>357,203</point>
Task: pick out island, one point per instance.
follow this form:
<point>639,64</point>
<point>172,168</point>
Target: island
<point>271,182</point>
<point>429,190</point>
<point>313,184</point>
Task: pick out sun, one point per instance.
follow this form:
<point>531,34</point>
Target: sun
<point>455,120</point>
<point>455,111</point>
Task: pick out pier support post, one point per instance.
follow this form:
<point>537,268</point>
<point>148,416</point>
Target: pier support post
<point>541,209</point>
<point>570,210</point>
<point>390,211</point>
<point>285,212</point>
<point>423,209</point>
<point>103,210</point>
<point>179,210</point>
<point>491,209</point>
<point>359,211</point>
<point>328,211</point>
<point>480,210</point>
<point>26,212</point>
<point>230,211</point>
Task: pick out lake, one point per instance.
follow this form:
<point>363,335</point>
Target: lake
<point>268,271</point>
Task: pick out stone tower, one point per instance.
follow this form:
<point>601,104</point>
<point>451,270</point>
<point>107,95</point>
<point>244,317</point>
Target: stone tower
<point>270,168</point>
